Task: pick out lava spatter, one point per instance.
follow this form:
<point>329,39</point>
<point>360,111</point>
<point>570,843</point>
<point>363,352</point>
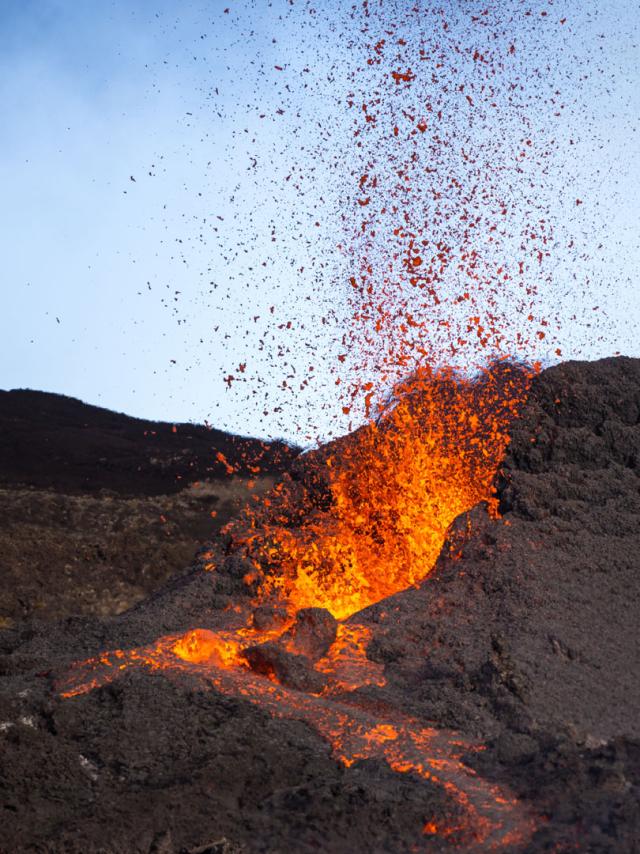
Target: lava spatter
<point>387,495</point>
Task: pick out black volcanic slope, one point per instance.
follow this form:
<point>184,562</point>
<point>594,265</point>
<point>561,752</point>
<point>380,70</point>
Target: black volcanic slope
<point>97,509</point>
<point>527,643</point>
<point>52,441</point>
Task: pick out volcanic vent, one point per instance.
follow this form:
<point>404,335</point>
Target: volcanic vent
<point>354,523</point>
<point>366,516</point>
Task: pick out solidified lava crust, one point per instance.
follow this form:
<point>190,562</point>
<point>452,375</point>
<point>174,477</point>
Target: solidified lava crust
<point>490,706</point>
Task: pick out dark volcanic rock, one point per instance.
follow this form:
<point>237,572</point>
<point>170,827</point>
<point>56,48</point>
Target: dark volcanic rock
<point>312,633</point>
<point>527,641</point>
<point>268,617</point>
<point>537,620</point>
<point>97,509</point>
<point>118,769</point>
<point>290,658</point>
<point>289,668</point>
<point>51,441</point>
<point>100,554</point>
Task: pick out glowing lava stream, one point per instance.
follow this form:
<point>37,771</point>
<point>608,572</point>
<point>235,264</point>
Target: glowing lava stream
<point>494,819</point>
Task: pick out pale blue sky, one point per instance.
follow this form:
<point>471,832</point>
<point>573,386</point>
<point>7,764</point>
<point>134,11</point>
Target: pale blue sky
<point>92,262</point>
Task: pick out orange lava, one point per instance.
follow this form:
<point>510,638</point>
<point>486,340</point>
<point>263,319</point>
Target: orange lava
<point>395,487</point>
<point>200,645</point>
<point>347,663</point>
<point>491,818</point>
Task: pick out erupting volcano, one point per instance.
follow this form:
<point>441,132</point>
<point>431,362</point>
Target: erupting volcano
<point>366,517</point>
<point>295,608</point>
<point>416,637</point>
<point>378,504</point>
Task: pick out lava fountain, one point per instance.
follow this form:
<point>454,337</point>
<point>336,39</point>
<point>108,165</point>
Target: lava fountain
<point>358,520</point>
<point>379,502</point>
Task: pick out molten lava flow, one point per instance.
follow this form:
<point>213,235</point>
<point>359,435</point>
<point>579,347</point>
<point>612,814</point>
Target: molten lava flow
<point>391,491</point>
<point>199,646</point>
<point>490,818</point>
<point>347,663</point>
